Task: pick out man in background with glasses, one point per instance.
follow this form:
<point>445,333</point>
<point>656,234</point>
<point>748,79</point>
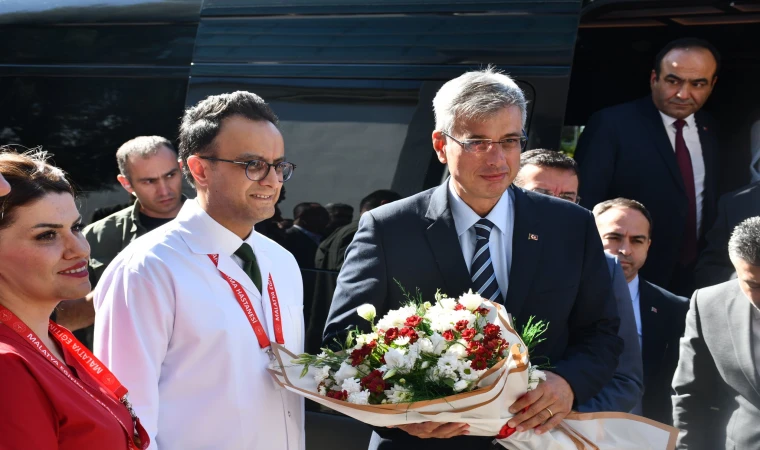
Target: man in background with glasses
<point>535,254</point>
<point>553,173</point>
<point>187,314</point>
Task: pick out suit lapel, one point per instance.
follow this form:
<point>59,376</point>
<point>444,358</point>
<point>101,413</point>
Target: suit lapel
<point>740,317</point>
<point>651,339</point>
<point>662,141</point>
<point>525,252</point>
<point>444,243</point>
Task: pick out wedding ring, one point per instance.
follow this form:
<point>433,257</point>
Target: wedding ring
<point>550,412</point>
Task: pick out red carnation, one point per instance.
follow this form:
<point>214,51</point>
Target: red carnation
<point>478,363</point>
<point>492,331</point>
<point>448,335</point>
<point>391,335</point>
<point>374,382</point>
<point>458,307</point>
<point>413,321</point>
<point>338,395</point>
<point>462,324</point>
<point>475,348</point>
<point>410,333</point>
<point>482,311</point>
<point>469,333</point>
<point>359,355</point>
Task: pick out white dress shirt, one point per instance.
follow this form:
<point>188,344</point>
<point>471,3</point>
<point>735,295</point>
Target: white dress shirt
<point>500,242</point>
<point>756,337</point>
<point>691,137</point>
<point>170,328</point>
<point>633,288</point>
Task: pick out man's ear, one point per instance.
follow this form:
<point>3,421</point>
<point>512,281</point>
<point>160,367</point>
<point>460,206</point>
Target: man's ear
<point>439,145</point>
<point>124,181</point>
<point>652,78</point>
<point>198,170</point>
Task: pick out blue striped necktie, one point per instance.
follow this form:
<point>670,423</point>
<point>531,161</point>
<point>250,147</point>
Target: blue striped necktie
<point>482,273</point>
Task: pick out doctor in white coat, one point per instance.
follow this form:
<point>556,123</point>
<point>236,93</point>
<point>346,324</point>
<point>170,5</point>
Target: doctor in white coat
<point>172,321</point>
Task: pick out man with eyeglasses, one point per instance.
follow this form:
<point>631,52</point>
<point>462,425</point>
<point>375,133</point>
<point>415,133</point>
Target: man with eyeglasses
<point>530,252</point>
<point>556,174</point>
<point>187,314</point>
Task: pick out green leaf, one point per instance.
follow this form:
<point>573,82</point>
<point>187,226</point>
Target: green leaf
<point>305,370</point>
<point>389,374</point>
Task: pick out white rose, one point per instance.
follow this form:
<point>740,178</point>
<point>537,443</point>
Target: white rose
<point>447,303</point>
<point>359,398</point>
<point>394,359</point>
<point>471,301</point>
<point>345,371</point>
<point>458,349</point>
<point>460,385</point>
<point>351,385</point>
<point>367,312</point>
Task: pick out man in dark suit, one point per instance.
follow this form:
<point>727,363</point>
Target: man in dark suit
<point>720,356</point>
<point>625,226</point>
<point>329,259</point>
<point>554,173</point>
<point>538,255</point>
<point>661,151</point>
<point>714,265</point>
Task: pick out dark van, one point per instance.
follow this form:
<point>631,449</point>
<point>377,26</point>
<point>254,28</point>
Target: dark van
<point>351,80</point>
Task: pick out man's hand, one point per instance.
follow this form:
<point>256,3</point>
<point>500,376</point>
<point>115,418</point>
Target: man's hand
<point>438,430</point>
<point>543,407</point>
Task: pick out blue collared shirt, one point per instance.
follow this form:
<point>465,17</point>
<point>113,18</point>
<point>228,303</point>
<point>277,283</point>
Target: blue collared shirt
<point>500,242</point>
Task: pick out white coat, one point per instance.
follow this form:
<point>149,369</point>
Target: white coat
<point>170,328</point>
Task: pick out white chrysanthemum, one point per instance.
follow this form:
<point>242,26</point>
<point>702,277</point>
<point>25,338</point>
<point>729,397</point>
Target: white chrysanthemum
<point>351,385</point>
<point>463,314</point>
<point>447,367</point>
<point>322,390</point>
<point>394,358</point>
<point>447,303</point>
<point>321,374</point>
<point>467,373</point>
<point>367,312</point>
<point>460,385</point>
<point>401,341</point>
<point>398,394</point>
<point>359,398</point>
<point>346,370</point>
<point>471,300</point>
<point>363,339</point>
<point>396,318</point>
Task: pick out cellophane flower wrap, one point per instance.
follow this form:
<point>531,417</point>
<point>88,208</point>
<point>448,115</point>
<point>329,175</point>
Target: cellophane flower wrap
<point>457,360</point>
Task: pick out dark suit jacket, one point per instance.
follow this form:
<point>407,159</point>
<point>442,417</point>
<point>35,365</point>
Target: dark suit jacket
<point>559,274</point>
<point>303,249</point>
<point>663,317</point>
<point>624,391</point>
<point>714,264</point>
<point>717,365</point>
<point>624,151</point>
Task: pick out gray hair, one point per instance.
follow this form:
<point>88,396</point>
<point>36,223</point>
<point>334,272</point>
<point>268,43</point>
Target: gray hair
<point>745,241</point>
<point>141,147</point>
<point>475,95</point>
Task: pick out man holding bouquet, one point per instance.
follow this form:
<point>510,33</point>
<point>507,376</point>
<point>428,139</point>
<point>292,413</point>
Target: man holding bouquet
<point>537,255</point>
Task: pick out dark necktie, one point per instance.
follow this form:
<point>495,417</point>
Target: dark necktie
<point>250,266</point>
<point>689,246</point>
<point>483,275</point>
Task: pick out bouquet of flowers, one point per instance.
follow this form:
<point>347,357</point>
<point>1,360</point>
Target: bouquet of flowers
<point>458,360</point>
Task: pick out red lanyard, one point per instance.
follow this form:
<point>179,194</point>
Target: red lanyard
<point>245,304</point>
<point>92,364</point>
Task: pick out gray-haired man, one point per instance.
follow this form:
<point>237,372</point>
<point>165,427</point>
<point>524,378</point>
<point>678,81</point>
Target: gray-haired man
<point>717,401</point>
<point>543,257</point>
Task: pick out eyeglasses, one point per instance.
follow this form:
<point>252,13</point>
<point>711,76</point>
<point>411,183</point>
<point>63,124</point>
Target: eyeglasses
<point>257,170</point>
<point>575,198</point>
<point>483,145</point>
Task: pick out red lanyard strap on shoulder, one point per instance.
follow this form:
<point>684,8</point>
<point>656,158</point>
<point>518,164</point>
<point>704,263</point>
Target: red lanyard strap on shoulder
<point>90,363</point>
<point>245,304</point>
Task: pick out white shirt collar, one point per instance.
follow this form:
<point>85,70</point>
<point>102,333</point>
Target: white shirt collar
<point>691,122</point>
<point>633,287</point>
<point>205,235</point>
<point>465,217</point>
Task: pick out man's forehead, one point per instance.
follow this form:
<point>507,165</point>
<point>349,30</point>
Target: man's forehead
<point>689,61</point>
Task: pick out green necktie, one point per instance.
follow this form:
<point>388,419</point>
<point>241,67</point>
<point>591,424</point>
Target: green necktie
<point>250,266</point>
